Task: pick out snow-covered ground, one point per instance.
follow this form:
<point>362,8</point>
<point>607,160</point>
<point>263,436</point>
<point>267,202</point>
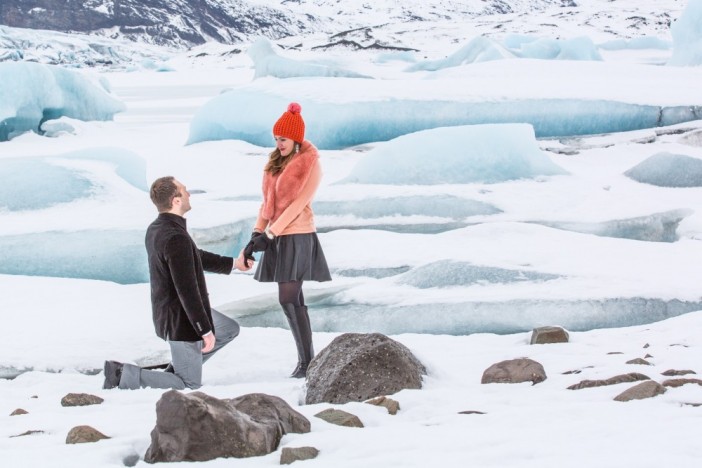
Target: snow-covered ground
<point>458,270</point>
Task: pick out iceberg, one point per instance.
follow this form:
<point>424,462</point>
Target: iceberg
<point>687,36</point>
<point>456,155</point>
<point>577,48</point>
<point>668,170</point>
<point>246,114</point>
<point>32,93</point>
<point>479,49</point>
<point>268,63</point>
<point>643,42</point>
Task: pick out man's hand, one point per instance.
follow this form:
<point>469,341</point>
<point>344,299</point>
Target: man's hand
<point>243,263</point>
<point>208,342</point>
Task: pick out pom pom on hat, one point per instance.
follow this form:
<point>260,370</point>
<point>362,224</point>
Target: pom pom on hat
<point>290,124</point>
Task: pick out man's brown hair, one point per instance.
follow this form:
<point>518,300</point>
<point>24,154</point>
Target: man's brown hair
<point>163,191</point>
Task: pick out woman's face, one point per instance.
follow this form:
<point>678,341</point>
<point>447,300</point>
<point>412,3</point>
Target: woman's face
<point>284,145</point>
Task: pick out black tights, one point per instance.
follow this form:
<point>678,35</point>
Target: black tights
<point>290,292</point>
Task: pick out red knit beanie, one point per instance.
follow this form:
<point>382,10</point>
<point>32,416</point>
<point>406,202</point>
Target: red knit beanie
<point>290,124</point>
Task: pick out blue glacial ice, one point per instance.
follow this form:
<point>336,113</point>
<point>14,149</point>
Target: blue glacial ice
<point>483,49</point>
<point>32,93</point>
<point>333,314</point>
<point>444,274</point>
<point>657,227</point>
<point>108,255</point>
<point>668,170</point>
<point>456,155</point>
<point>25,179</point>
<point>333,125</point>
<point>105,254</point>
<point>268,63</point>
<point>25,182</point>
<point>479,49</point>
<point>445,206</point>
<point>390,214</point>
<point>687,36</point>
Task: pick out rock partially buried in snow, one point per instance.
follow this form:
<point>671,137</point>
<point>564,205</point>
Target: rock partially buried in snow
<point>680,382</point>
<point>293,454</point>
<point>545,335</point>
<point>84,434</point>
<point>514,371</point>
<point>391,405</point>
<point>339,417</point>
<point>631,377</point>
<point>641,391</point>
<point>198,427</point>
<point>357,367</point>
<point>80,399</point>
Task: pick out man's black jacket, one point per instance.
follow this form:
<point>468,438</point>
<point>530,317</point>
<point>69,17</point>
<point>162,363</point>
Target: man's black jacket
<point>179,299</point>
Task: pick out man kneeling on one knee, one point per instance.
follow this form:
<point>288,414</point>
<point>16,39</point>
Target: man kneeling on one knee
<point>181,308</point>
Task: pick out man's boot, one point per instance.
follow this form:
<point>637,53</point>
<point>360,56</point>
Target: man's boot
<point>289,310</point>
<point>113,374</point>
<point>306,349</point>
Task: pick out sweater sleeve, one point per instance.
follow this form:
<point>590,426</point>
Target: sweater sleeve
<point>261,223</point>
<point>181,261</point>
<point>303,199</point>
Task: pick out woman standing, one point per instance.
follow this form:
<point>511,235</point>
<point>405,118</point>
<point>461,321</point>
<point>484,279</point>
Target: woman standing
<point>285,230</point>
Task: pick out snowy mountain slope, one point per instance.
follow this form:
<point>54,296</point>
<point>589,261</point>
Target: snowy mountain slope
<point>183,23</point>
<point>119,32</point>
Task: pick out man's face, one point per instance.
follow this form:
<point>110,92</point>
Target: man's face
<point>181,202</point>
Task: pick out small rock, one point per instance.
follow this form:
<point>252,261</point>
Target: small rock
<point>615,352</point>
<point>631,377</point>
<point>83,434</point>
<point>680,382</point>
<point>692,404</point>
<point>643,390</point>
<point>648,356</point>
<point>339,417</point>
<point>646,345</point>
<point>547,335</point>
<point>28,433</point>
<point>673,372</point>
<point>514,371</point>
<point>293,454</point>
<point>392,406</point>
<point>80,399</point>
<point>18,412</point>
<point>639,361</point>
<point>470,412</point>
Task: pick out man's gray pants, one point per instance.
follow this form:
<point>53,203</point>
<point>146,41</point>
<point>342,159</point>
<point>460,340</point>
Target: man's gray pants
<point>187,360</point>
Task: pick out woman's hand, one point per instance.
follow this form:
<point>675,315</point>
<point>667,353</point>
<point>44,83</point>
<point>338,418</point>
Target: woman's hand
<point>243,263</point>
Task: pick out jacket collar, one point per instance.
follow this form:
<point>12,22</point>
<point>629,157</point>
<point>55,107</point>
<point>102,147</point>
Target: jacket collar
<point>179,220</point>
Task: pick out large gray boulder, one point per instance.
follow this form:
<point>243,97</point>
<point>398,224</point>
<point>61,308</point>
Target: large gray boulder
<point>357,367</point>
<point>198,427</point>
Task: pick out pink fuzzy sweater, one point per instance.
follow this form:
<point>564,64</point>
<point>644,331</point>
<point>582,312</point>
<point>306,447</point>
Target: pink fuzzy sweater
<point>287,197</point>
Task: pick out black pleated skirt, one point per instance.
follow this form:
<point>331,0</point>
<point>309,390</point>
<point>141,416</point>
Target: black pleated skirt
<point>293,257</point>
